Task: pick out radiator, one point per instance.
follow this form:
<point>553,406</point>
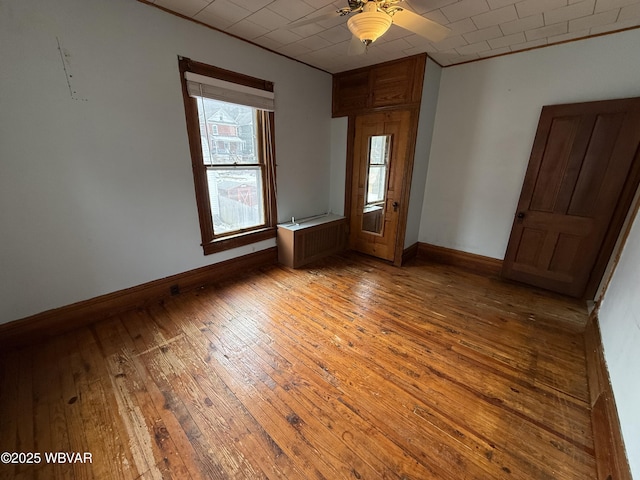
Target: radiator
<point>305,241</point>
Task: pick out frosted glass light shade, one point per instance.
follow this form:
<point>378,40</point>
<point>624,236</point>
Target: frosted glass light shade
<point>368,26</point>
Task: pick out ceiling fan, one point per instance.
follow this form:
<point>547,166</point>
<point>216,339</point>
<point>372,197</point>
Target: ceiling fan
<point>372,18</point>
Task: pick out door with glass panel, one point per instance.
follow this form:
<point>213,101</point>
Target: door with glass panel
<point>380,159</point>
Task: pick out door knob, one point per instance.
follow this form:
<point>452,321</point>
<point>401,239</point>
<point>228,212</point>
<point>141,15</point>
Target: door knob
<point>520,215</point>
<point>395,206</point>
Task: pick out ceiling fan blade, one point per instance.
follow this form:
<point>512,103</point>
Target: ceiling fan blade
<point>308,21</point>
<point>356,47</point>
<point>420,26</point>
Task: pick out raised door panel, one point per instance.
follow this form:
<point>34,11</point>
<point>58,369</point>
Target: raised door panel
<point>351,92</point>
<point>392,83</point>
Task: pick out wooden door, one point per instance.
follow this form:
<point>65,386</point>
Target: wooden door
<point>380,165</point>
<point>582,175</point>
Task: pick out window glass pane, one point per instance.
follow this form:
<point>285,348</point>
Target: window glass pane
<point>227,132</point>
<point>376,184</point>
<point>378,150</point>
<point>377,168</point>
<point>236,199</point>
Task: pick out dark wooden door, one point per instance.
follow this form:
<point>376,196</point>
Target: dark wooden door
<point>582,175</point>
<point>380,168</point>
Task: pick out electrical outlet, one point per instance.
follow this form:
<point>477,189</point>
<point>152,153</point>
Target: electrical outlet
<point>174,289</point>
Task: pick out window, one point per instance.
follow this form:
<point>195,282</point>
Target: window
<point>378,164</point>
<point>230,127</point>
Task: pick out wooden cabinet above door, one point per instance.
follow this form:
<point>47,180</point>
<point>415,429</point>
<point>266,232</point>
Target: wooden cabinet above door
<point>390,84</point>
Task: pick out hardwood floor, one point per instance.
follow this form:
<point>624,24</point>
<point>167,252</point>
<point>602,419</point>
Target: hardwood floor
<point>350,368</point>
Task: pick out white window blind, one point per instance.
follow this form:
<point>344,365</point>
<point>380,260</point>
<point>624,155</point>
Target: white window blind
<point>208,87</point>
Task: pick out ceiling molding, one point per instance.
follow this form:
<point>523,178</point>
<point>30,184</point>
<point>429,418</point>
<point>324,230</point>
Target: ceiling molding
<point>480,29</point>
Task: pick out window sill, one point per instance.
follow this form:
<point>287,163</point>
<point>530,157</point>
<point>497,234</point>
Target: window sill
<point>227,243</point>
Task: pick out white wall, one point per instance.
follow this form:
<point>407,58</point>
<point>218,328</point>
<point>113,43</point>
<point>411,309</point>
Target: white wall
<point>485,124</point>
<point>428,107</point>
<point>96,190</point>
<point>620,324</point>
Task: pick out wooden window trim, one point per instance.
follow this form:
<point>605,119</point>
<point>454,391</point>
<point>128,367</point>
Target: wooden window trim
<point>266,142</point>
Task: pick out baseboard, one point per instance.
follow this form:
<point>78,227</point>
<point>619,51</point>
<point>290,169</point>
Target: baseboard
<point>410,253</point>
<point>611,459</point>
<point>54,322</point>
<point>476,263</point>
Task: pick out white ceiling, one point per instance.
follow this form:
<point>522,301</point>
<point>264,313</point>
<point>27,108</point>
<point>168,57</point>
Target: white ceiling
<point>479,28</point>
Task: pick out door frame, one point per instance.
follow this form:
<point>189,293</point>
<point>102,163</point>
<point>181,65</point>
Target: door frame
<point>406,177</point>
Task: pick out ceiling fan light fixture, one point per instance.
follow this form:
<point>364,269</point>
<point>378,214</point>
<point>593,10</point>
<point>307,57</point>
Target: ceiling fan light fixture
<point>368,26</point>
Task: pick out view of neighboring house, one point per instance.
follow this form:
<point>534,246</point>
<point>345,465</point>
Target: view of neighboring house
<point>222,135</point>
